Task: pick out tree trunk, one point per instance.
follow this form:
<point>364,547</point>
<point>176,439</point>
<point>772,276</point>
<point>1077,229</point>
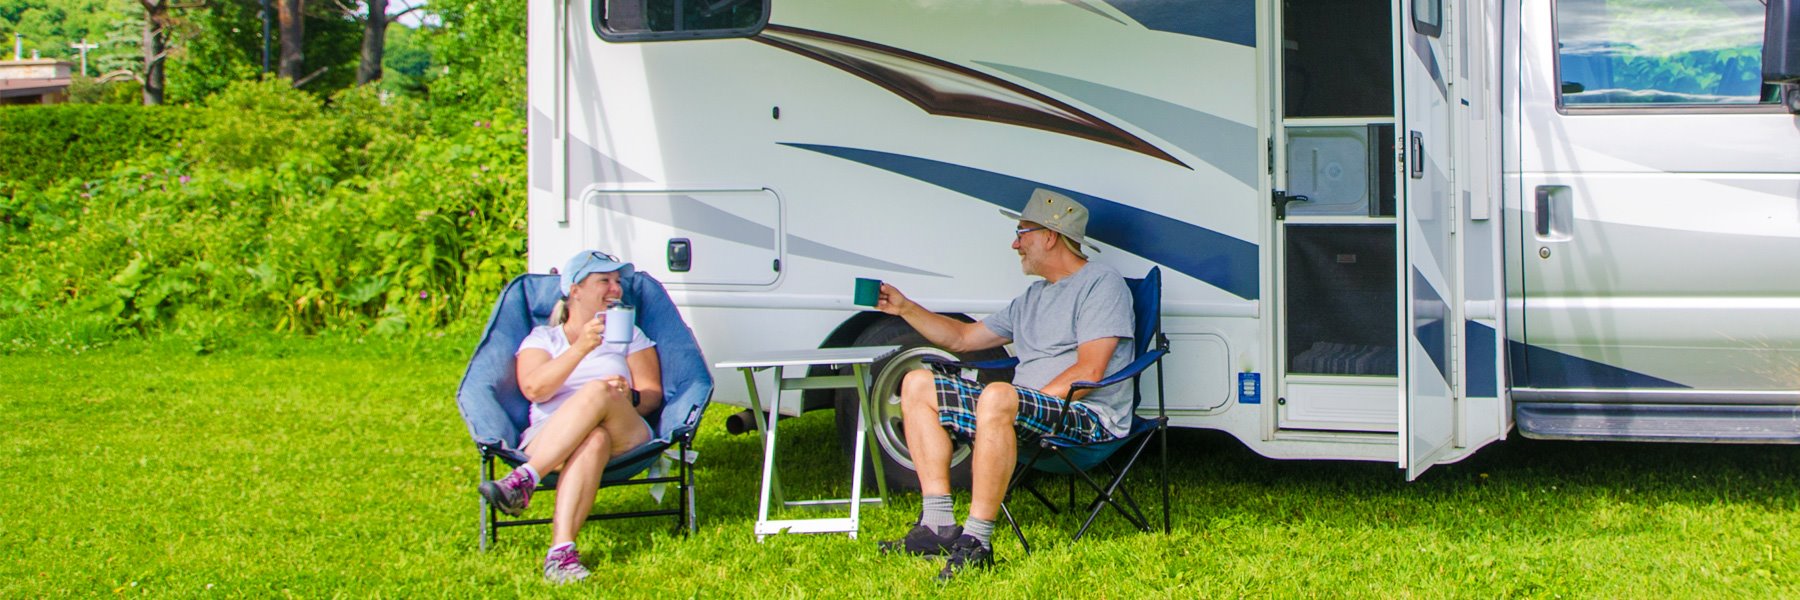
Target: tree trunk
<point>374,42</point>
<point>293,32</point>
<point>156,18</point>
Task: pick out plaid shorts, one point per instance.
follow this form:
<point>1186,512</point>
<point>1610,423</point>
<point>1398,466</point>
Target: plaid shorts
<point>1040,415</point>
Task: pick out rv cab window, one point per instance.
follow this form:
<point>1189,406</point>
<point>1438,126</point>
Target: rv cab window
<point>1643,53</point>
<point>648,20</point>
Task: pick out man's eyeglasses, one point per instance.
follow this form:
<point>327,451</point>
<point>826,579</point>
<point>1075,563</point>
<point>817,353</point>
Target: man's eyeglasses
<point>1020,232</point>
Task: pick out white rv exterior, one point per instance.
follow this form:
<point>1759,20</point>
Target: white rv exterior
<point>1510,212</point>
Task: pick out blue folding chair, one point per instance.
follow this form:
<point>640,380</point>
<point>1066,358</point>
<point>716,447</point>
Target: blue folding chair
<point>496,411</point>
<point>1076,461</point>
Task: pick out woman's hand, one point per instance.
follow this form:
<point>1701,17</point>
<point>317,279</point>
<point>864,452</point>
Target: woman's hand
<point>591,334</point>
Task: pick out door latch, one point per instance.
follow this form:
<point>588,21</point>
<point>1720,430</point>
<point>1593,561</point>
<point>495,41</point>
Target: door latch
<point>1282,198</point>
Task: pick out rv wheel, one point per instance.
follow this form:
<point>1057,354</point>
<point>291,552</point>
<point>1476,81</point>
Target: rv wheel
<point>884,396</point>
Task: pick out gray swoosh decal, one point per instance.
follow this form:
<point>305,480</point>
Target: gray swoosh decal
<point>1227,145</point>
<point>692,214</point>
<point>587,165</point>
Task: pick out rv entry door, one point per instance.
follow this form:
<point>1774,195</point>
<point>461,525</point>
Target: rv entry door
<point>1430,309</point>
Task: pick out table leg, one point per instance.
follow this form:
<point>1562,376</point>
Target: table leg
<point>866,411</point>
<point>856,468</point>
<point>770,483</point>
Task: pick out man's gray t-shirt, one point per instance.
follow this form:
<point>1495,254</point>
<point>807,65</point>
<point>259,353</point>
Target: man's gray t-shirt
<point>1050,320</point>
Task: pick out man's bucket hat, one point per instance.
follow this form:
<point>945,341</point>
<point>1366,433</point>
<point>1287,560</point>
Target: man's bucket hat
<point>1057,212</point>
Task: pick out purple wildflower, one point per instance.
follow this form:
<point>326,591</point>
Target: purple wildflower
<point>423,295</point>
<point>185,179</point>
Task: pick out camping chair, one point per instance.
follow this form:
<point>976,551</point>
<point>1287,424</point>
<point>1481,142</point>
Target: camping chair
<point>1076,461</point>
<point>496,411</point>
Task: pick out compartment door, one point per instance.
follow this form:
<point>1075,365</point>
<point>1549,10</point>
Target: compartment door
<point>1430,309</point>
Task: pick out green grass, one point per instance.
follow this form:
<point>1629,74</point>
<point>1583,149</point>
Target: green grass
<point>323,468</point>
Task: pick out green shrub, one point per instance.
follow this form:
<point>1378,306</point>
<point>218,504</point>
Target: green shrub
<point>281,212</point>
<point>43,144</point>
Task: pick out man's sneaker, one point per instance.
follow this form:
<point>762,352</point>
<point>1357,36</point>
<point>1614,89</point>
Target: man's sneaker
<point>564,566</point>
<point>922,541</point>
<point>966,553</point>
<point>511,494</point>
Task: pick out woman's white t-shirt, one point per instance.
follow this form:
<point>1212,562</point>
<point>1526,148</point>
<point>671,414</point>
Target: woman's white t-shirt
<point>605,361</point>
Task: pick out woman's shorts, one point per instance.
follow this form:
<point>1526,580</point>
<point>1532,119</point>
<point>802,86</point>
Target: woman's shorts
<point>1040,415</point>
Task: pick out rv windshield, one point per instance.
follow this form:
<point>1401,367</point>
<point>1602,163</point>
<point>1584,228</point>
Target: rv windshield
<point>1654,52</point>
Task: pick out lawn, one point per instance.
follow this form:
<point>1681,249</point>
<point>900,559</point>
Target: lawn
<point>310,468</point>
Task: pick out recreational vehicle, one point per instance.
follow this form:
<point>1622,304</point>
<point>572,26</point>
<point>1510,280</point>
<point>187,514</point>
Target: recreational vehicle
<point>1389,230</point>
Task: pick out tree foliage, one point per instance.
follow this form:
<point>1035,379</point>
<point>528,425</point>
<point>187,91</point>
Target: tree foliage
<point>371,208</point>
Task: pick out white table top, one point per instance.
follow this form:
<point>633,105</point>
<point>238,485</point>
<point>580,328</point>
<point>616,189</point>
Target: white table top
<point>811,356</point>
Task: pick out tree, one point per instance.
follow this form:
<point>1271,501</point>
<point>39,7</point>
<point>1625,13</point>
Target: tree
<point>374,42</point>
<point>292,23</point>
<point>156,25</point>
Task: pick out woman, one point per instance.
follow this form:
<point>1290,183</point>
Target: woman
<point>582,409</point>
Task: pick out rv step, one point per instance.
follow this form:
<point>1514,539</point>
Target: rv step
<point>1659,422</point>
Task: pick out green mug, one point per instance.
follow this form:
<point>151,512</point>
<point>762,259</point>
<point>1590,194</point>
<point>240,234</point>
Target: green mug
<point>868,291</point>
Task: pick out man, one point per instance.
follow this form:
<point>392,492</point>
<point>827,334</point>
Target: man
<point>1075,325</point>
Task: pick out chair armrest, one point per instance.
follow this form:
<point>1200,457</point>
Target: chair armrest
<point>1132,370</point>
<point>998,363</point>
<point>503,453</point>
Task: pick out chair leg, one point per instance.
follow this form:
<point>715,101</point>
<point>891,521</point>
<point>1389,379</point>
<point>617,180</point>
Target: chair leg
<point>688,514</point>
<point>1018,476</point>
<point>1162,432</point>
<point>1105,496</point>
<point>1026,484</point>
<point>486,537</point>
<point>1015,527</point>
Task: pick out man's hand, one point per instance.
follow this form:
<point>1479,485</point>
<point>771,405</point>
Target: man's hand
<point>893,302</point>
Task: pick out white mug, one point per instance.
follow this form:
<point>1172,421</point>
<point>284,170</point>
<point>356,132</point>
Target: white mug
<point>620,320</point>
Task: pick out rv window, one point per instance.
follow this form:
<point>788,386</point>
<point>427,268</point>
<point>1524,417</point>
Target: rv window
<point>646,20</point>
<point>1428,17</point>
<point>1642,53</point>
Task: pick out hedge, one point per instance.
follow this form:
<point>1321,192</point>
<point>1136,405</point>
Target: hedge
<point>44,144</point>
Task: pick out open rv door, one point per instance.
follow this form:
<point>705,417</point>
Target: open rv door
<point>1431,312</point>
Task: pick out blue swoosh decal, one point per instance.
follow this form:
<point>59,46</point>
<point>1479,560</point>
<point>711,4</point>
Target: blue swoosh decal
<point>1220,260</point>
<point>1230,21</point>
<point>1543,368</point>
<point>1429,312</point>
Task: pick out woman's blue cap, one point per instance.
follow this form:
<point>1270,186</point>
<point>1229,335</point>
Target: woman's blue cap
<point>589,262</point>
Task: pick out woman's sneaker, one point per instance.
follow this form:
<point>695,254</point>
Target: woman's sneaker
<point>511,494</point>
<point>563,565</point>
<point>966,553</point>
<point>922,541</point>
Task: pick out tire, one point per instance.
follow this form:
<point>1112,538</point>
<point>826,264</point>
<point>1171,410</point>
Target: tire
<point>884,393</point>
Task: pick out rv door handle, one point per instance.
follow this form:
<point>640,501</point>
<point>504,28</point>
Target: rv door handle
<point>1553,215</point>
<point>1417,168</point>
<point>1542,211</point>
<point>681,255</point>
